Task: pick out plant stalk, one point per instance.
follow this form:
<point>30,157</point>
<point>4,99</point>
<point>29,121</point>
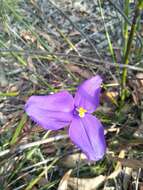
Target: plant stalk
<point>127,53</point>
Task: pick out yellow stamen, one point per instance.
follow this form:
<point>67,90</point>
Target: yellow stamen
<point>81,112</point>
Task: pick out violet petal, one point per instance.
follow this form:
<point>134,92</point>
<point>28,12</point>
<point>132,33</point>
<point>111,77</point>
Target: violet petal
<point>88,94</point>
<point>88,134</point>
<point>51,112</point>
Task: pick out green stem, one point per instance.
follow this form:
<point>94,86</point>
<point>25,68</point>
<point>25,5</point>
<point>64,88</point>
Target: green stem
<point>127,53</point>
<point>126,11</point>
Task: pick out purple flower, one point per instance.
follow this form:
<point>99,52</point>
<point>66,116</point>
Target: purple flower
<point>61,109</point>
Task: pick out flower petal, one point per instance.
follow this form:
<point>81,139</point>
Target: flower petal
<point>51,112</point>
<point>88,134</point>
<point>88,94</point>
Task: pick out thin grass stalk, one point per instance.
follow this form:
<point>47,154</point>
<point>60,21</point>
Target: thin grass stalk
<point>107,33</point>
<point>127,53</point>
<point>36,180</point>
<point>127,20</point>
<point>126,11</point>
<point>19,58</point>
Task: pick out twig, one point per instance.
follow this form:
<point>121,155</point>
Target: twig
<point>39,52</point>
<point>30,145</point>
<point>137,181</point>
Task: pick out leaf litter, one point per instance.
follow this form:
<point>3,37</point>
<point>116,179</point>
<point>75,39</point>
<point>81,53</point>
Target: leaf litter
<point>68,28</point>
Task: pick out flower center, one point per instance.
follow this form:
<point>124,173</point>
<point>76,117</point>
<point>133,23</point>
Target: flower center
<point>81,112</point>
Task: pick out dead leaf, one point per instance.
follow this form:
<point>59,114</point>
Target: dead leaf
<point>112,96</point>
<point>141,186</point>
<point>30,64</point>
<point>74,183</point>
<point>53,44</point>
<point>131,163</point>
<point>118,166</point>
<point>139,77</point>
<point>85,183</point>
<point>28,36</point>
<point>64,182</point>
<point>3,78</point>
<point>74,33</point>
<point>70,161</point>
<point>127,177</point>
<point>137,86</point>
<point>76,69</point>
